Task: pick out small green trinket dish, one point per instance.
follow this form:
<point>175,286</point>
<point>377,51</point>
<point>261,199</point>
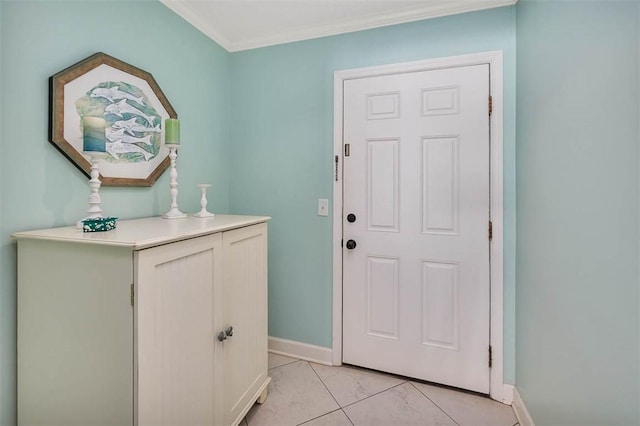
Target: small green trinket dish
<point>99,224</point>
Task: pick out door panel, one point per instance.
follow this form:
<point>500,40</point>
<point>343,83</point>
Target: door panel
<point>440,185</point>
<point>245,309</point>
<point>382,185</point>
<point>176,287</point>
<point>416,286</point>
<point>382,297</point>
<point>440,320</point>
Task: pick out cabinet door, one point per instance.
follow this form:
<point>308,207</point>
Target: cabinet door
<point>176,290</point>
<point>245,309</point>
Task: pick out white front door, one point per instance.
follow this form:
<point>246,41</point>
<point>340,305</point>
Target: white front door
<point>416,207</point>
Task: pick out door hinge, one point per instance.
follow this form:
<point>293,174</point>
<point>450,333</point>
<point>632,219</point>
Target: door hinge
<point>336,161</point>
<point>490,104</point>
<point>347,149</point>
<point>133,297</point>
<point>490,356</point>
<point>490,230</point>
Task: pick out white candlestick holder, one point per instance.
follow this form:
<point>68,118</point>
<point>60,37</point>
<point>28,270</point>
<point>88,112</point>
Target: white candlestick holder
<point>95,209</point>
<point>203,213</point>
<point>174,212</point>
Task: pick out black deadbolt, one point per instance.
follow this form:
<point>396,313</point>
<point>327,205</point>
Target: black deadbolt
<point>351,218</point>
<point>351,244</point>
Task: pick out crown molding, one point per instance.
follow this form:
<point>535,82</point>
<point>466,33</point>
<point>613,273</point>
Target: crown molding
<point>182,9</point>
<point>452,7</point>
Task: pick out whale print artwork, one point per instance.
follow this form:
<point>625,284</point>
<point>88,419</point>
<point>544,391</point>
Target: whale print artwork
<point>133,107</point>
<point>132,124</point>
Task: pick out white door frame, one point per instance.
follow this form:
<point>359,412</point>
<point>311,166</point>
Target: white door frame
<point>498,390</point>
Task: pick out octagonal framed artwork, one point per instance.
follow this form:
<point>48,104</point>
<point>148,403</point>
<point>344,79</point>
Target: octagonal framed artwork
<point>134,109</point>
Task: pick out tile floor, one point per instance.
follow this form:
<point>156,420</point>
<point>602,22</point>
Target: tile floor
<point>309,394</point>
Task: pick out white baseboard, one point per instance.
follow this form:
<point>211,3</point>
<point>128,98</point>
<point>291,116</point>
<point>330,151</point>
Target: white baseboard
<point>524,418</point>
<point>305,351</point>
<point>507,394</point>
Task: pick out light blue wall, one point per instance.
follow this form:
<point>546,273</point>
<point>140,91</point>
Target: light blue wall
<point>577,161</point>
<point>577,204</point>
<point>282,153</point>
<point>39,186</point>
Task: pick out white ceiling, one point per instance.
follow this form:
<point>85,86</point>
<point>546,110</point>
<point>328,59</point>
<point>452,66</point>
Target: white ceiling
<point>247,24</point>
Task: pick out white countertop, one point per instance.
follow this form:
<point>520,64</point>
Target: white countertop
<point>146,232</point>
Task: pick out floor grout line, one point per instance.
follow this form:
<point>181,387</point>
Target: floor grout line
<point>324,384</point>
<point>377,393</point>
<point>282,365</point>
<point>369,396</point>
<point>330,393</point>
<point>403,380</point>
<point>348,418</point>
<point>317,417</point>
<point>434,403</point>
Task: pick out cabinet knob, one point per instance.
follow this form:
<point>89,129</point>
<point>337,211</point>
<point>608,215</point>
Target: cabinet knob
<point>229,332</point>
<point>222,336</point>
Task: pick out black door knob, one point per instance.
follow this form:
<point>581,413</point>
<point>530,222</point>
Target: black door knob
<point>351,244</point>
<point>351,218</point>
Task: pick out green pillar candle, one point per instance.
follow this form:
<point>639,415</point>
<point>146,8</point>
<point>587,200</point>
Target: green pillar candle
<point>172,131</point>
<point>93,134</point>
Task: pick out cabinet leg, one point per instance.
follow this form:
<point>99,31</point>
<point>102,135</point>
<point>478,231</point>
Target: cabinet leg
<point>263,397</point>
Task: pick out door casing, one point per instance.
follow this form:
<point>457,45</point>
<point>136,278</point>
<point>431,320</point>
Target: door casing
<point>498,390</point>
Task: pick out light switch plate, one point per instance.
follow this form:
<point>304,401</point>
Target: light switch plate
<point>323,207</point>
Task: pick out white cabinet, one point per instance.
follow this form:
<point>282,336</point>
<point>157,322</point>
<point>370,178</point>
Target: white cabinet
<point>159,322</point>
<point>177,287</point>
<point>245,309</point>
